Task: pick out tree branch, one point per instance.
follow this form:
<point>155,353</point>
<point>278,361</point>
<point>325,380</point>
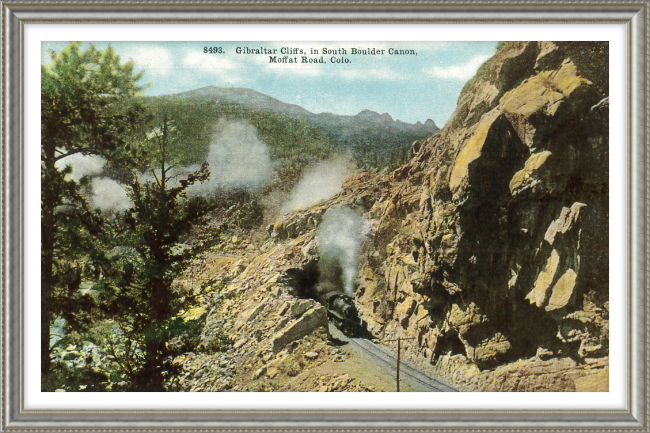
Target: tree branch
<point>85,150</point>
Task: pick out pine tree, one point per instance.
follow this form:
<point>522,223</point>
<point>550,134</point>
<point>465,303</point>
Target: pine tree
<point>139,293</point>
<point>83,96</point>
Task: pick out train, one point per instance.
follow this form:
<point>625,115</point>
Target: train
<point>343,313</point>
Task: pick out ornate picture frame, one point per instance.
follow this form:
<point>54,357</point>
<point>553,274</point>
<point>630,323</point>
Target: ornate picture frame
<point>18,14</point>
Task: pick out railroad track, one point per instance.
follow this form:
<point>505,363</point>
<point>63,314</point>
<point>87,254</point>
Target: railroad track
<point>386,360</point>
<point>406,371</point>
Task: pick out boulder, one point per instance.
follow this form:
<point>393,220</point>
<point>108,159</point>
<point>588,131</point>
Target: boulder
<point>239,343</point>
<point>260,372</point>
<point>305,325</point>
<point>311,355</point>
<point>300,306</point>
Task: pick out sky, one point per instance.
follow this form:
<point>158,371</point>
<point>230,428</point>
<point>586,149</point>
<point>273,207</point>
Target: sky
<point>423,84</point>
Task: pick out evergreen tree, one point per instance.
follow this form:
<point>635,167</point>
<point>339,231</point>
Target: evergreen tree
<point>139,293</point>
<point>83,96</point>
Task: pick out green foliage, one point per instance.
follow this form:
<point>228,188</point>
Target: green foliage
<point>190,131</point>
<point>293,143</point>
<point>83,379</point>
<point>186,334</point>
<point>84,110</point>
<point>220,342</point>
<point>84,107</point>
<point>138,291</point>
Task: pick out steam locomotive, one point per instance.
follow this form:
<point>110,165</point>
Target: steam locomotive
<point>343,313</point>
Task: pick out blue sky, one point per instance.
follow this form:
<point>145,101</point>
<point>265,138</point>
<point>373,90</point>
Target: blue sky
<point>409,87</point>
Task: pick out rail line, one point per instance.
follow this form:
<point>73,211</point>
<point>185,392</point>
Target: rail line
<point>406,370</point>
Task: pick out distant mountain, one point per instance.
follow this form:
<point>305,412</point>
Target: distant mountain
<point>367,132</point>
<point>248,98</point>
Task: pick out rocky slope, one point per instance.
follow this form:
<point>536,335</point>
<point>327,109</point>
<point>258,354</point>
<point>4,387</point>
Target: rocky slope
<point>490,246</point>
<point>258,296</point>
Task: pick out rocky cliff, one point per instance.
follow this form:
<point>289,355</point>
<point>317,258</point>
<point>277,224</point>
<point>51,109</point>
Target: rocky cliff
<point>493,246</point>
<point>489,247</point>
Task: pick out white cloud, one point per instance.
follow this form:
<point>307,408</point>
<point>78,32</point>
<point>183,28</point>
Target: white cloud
<point>237,158</point>
<point>293,68</point>
<point>368,74</point>
<point>458,72</point>
<point>211,62</point>
<point>150,57</point>
<point>227,70</point>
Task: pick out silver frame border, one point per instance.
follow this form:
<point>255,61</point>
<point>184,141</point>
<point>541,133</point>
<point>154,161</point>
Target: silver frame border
<point>14,14</point>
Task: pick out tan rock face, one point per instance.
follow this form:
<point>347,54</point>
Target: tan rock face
<point>563,290</point>
<point>544,92</point>
<point>544,280</point>
<point>305,325</point>
<point>472,150</point>
<point>596,382</point>
<point>490,349</point>
<point>525,177</point>
<point>564,223</point>
<point>494,235</point>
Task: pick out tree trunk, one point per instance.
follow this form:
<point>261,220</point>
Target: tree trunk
<point>48,232</point>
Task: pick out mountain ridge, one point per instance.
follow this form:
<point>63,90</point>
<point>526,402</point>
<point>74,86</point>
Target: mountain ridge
<point>368,135</point>
<point>252,98</point>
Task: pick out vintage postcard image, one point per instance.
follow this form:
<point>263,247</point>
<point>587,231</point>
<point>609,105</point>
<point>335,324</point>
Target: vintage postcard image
<point>324,216</point>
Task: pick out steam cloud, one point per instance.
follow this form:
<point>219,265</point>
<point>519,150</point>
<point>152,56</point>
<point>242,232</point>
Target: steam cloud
<point>103,193</point>
<point>82,165</point>
<point>238,159</point>
<point>109,195</point>
<point>340,235</point>
<point>320,182</point>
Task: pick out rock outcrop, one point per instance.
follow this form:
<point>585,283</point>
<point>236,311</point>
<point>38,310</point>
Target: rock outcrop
<point>494,242</point>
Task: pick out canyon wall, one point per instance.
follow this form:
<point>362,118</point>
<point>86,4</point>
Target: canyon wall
<point>492,246</point>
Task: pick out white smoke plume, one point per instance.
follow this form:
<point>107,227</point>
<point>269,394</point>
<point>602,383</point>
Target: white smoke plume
<point>318,183</point>
<point>103,193</point>
<point>108,195</point>
<point>340,235</point>
<point>238,159</point>
<point>82,165</point>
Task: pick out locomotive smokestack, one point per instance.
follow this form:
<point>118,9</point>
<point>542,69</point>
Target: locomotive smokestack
<point>339,241</point>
